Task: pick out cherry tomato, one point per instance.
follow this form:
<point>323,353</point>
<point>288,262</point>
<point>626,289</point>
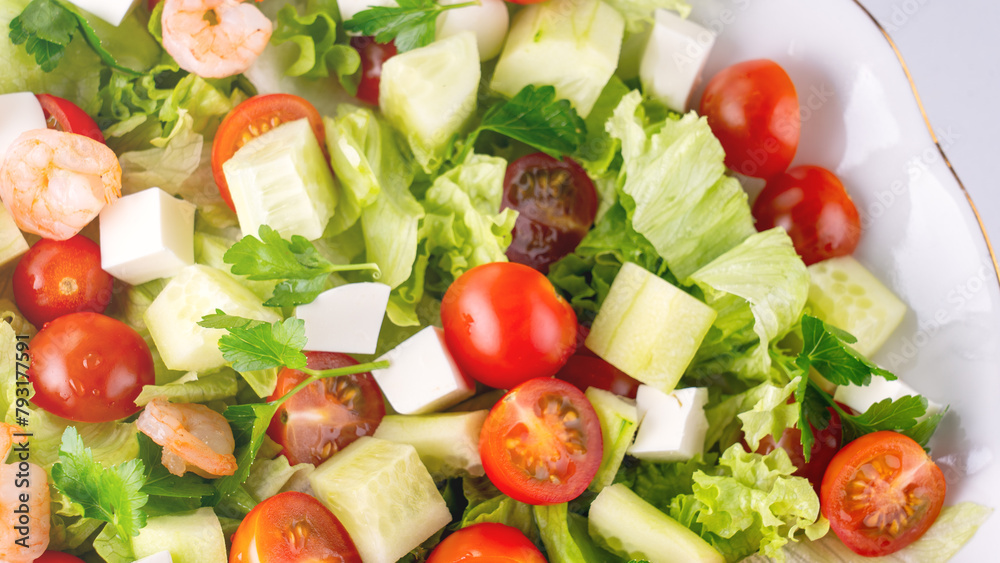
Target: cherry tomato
<point>58,557</point>
<point>64,115</point>
<point>584,369</point>
<point>826,446</point>
<point>542,443</point>
<point>373,55</point>
<point>252,118</point>
<point>326,416</point>
<point>504,324</point>
<point>89,368</point>
<point>291,527</point>
<point>524,2</point>
<point>881,493</point>
<point>812,205</point>
<point>487,543</point>
<point>753,109</point>
<point>55,278</point>
<point>556,204</point>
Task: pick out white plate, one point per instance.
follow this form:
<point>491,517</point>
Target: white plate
<point>861,119</point>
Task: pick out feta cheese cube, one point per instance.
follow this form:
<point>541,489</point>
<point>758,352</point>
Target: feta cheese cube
<point>19,112</point>
<point>160,557</point>
<point>345,319</point>
<point>111,11</point>
<point>422,376</point>
<point>671,427</point>
<point>860,398</point>
<point>673,59</point>
<point>147,235</point>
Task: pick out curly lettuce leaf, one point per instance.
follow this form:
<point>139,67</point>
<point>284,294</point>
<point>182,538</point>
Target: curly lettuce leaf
<point>315,34</point>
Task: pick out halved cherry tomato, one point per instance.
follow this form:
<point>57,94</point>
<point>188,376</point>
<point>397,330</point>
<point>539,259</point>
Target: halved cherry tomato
<point>64,115</point>
<point>291,527</point>
<point>504,324</point>
<point>55,278</point>
<point>881,493</point>
<point>373,55</point>
<point>89,368</point>
<point>826,446</point>
<point>252,118</point>
<point>486,543</point>
<point>326,416</point>
<point>58,557</point>
<point>556,204</point>
<point>753,109</point>
<point>542,443</point>
<point>812,205</point>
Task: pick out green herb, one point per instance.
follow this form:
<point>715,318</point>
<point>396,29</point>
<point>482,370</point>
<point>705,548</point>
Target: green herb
<point>409,24</point>
<point>303,271</point>
<point>110,494</point>
<point>827,350</point>
<point>315,33</point>
<point>168,493</point>
<point>46,28</point>
<point>255,345</point>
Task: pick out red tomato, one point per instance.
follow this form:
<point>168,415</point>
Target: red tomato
<point>373,55</point>
<point>812,205</point>
<point>753,109</point>
<point>487,543</point>
<point>881,493</point>
<point>556,204</point>
<point>826,446</point>
<point>542,443</point>
<point>584,369</point>
<point>252,118</point>
<point>291,527</point>
<point>89,368</point>
<point>55,278</point>
<point>525,1</point>
<point>64,115</point>
<point>326,416</point>
<point>504,323</point>
<point>58,557</point>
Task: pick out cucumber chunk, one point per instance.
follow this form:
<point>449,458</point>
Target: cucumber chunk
<point>571,45</point>
<point>448,444</point>
<point>619,421</point>
<point>648,328</point>
<point>191,537</point>
<point>12,243</point>
<point>281,179</point>
<point>845,294</point>
<point>384,497</point>
<point>631,527</point>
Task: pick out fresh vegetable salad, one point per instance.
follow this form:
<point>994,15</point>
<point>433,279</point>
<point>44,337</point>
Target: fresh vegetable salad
<point>434,281</point>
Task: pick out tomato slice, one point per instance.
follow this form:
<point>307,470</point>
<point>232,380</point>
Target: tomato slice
<point>881,493</point>
<point>292,527</point>
<point>327,415</point>
<point>542,443</point>
<point>373,56</point>
<point>487,543</point>
<point>252,118</point>
<point>63,115</point>
<point>58,557</point>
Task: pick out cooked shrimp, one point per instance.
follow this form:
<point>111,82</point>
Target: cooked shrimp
<point>24,525</point>
<point>214,38</point>
<point>194,437</point>
<point>54,183</point>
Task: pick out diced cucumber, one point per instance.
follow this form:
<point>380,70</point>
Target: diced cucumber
<point>631,527</point>
<point>845,294</point>
<point>572,45</point>
<point>384,497</point>
<point>191,537</point>
<point>429,94</point>
<point>619,421</point>
<point>448,443</point>
<point>210,249</point>
<point>172,318</point>
<point>281,179</point>
<point>12,243</point>
<point>648,328</point>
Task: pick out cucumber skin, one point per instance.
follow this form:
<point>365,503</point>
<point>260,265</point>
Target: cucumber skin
<point>619,422</point>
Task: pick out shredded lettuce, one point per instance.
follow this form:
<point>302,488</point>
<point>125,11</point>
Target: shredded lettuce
<point>565,537</point>
<point>315,33</point>
<point>771,414</point>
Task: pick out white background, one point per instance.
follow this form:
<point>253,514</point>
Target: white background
<point>952,48</point>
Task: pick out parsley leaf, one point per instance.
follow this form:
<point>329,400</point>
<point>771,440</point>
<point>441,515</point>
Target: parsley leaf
<point>168,493</point>
<point>111,495</point>
<point>296,261</point>
<point>409,24</point>
<point>902,415</point>
<point>827,351</point>
<point>255,345</point>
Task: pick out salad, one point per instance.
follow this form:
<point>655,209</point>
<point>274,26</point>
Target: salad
<point>434,282</point>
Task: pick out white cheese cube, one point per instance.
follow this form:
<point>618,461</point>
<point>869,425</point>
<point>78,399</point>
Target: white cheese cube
<point>161,557</point>
<point>19,112</point>
<point>345,319</point>
<point>111,11</point>
<point>422,376</point>
<point>671,427</point>
<point>860,398</point>
<point>147,235</point>
<point>673,59</point>
<point>350,8</point>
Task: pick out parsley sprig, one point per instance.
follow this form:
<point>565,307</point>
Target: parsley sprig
<point>410,23</point>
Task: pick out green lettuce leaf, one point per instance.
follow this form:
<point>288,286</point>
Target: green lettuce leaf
<point>771,414</point>
<point>637,13</point>
<point>193,387</point>
<point>599,148</point>
<point>269,476</point>
<point>659,483</point>
<point>112,547</point>
<point>565,536</point>
<point>501,510</point>
<point>111,443</point>
<point>315,33</point>
<point>9,372</point>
